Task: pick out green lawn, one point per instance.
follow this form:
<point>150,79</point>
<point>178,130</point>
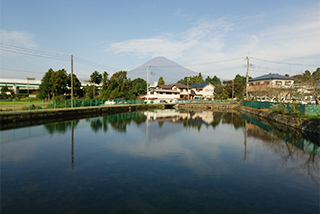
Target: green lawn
<point>19,102</point>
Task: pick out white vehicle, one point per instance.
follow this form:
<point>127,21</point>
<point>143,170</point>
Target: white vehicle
<point>109,102</point>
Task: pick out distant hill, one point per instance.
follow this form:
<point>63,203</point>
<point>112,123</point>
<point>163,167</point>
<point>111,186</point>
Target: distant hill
<point>161,67</point>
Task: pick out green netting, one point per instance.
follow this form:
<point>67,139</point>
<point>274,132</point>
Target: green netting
<point>307,110</point>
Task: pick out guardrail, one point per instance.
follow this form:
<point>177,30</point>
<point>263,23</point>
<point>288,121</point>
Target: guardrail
<point>30,105</point>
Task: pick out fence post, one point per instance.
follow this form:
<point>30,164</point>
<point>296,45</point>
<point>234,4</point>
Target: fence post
<point>28,105</point>
<point>42,105</point>
<point>13,106</point>
<point>54,104</point>
<point>82,103</point>
<point>65,104</point>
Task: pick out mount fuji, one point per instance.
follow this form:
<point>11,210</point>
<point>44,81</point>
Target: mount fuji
<point>161,67</point>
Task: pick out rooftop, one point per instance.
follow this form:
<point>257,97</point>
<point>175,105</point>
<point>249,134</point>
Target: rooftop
<point>201,85</point>
<point>271,76</point>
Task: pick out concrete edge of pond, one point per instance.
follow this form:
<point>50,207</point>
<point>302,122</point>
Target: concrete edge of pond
<point>284,122</point>
<point>37,117</point>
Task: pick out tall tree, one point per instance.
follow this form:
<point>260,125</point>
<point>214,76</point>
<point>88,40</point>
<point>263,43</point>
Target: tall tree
<point>96,78</point>
<point>214,81</point>
<point>58,80</point>
<point>192,80</point>
<point>161,81</point>
<point>46,85</point>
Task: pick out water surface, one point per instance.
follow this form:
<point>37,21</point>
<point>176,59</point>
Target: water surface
<point>162,161</point>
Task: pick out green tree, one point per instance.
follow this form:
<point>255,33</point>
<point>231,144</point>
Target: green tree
<point>161,81</point>
<point>214,81</point>
<point>46,85</point>
<point>95,78</point>
<point>119,86</point>
<point>58,80</point>
<point>76,84</point>
<point>192,80</point>
<point>316,74</point>
<point>139,86</point>
<point>104,82</point>
<point>240,79</point>
<point>4,89</point>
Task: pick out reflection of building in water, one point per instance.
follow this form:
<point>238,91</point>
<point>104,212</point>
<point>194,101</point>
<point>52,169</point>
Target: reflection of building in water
<point>160,114</point>
<point>176,116</point>
<point>205,116</point>
<point>257,132</point>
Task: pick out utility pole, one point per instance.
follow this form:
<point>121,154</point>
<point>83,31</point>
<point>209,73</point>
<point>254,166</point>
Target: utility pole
<point>188,88</point>
<point>247,76</point>
<point>71,81</point>
<point>232,88</point>
<point>148,66</point>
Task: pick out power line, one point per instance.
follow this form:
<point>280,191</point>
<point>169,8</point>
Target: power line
<point>207,63</point>
<point>285,63</point>
<point>33,52</point>
<point>8,69</point>
<point>50,55</point>
<point>93,64</point>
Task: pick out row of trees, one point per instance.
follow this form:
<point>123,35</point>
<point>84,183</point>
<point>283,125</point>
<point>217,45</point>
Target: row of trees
<point>57,83</point>
<point>223,90</point>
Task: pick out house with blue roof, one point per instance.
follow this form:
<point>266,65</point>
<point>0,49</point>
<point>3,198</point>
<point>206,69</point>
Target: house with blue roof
<point>270,85</point>
<point>203,90</point>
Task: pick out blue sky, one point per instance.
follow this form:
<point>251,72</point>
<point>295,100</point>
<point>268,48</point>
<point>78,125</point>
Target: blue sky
<point>207,36</point>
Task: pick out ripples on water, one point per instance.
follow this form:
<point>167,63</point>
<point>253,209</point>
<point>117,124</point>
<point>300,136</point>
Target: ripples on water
<point>162,161</point>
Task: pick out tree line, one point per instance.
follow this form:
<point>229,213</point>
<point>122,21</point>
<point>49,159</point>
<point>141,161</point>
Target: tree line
<point>57,84</point>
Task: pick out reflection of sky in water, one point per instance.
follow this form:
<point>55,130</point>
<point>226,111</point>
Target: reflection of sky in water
<point>180,168</point>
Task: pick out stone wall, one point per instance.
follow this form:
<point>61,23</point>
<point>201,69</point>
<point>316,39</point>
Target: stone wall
<point>206,106</point>
<point>281,120</point>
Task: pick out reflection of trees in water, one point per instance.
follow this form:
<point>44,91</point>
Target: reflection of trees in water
<point>96,124</point>
<point>160,124</point>
<point>233,118</point>
<point>60,127</point>
<point>295,159</point>
<point>118,122</point>
<point>139,119</point>
<point>296,154</point>
<point>191,124</point>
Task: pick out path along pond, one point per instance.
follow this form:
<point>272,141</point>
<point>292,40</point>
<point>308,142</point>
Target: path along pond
<point>161,161</point>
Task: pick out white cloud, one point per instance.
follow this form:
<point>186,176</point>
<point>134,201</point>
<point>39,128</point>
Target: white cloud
<point>16,38</point>
<point>175,45</point>
<point>286,39</point>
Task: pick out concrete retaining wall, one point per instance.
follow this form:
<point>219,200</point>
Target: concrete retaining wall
<point>206,106</point>
<point>20,119</point>
<point>301,124</point>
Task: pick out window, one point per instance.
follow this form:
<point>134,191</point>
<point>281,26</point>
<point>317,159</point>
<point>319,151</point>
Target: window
<point>288,83</point>
<point>278,83</point>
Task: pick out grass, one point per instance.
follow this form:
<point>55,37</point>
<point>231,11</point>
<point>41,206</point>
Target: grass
<point>19,102</point>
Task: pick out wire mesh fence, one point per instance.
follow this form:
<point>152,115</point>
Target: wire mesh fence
<point>41,105</point>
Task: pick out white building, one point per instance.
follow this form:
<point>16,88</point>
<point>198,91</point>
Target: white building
<point>204,90</point>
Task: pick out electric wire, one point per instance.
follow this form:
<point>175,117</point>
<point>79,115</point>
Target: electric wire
<point>285,63</point>
<point>33,52</point>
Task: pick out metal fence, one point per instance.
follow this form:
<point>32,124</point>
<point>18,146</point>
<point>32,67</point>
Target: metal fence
<point>32,105</point>
<point>306,110</point>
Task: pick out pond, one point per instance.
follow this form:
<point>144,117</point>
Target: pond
<point>162,161</point>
